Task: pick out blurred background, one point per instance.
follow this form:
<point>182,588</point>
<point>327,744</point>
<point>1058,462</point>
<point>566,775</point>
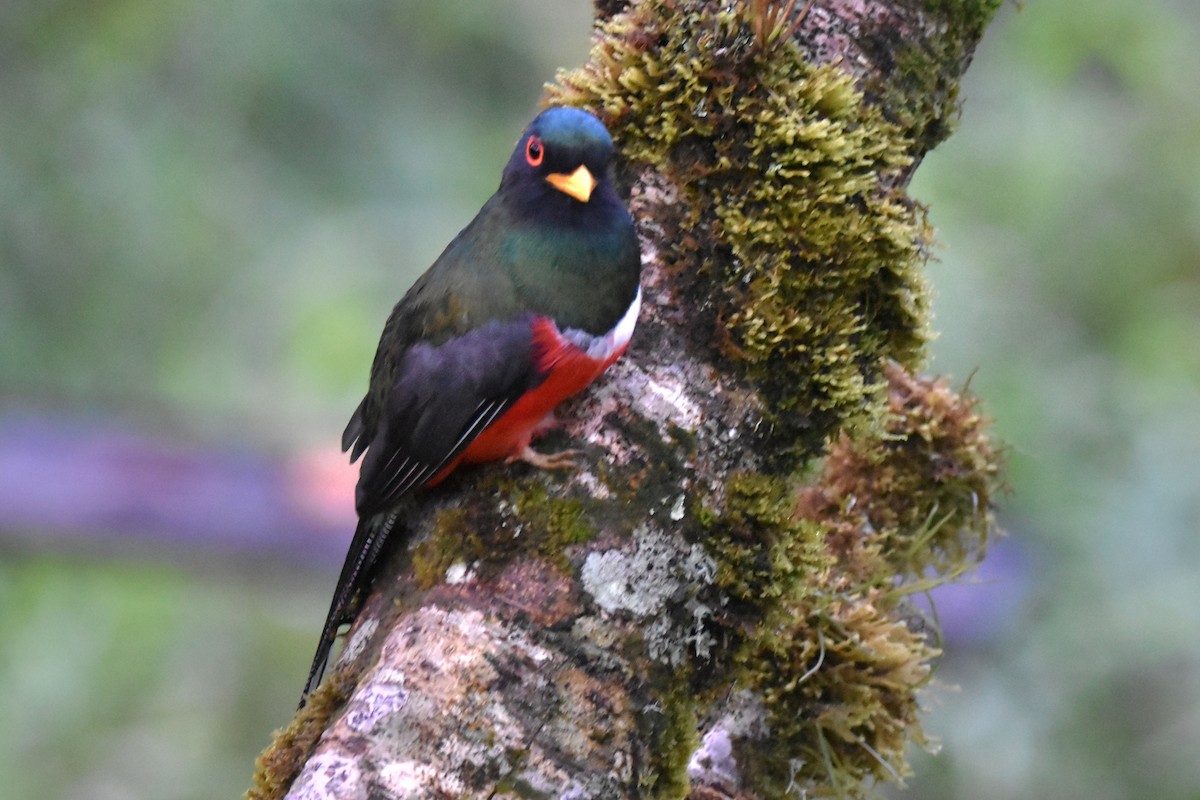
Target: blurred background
<point>207,210</point>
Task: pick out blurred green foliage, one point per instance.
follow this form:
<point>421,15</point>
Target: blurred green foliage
<point>142,681</point>
<point>211,206</point>
<point>207,209</point>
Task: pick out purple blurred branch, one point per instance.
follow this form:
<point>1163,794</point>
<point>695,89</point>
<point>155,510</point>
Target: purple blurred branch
<point>65,482</point>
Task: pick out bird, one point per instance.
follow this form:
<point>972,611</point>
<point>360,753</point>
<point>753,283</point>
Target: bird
<point>533,300</point>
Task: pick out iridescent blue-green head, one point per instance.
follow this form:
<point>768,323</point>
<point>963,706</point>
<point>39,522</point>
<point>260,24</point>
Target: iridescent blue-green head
<point>562,158</point>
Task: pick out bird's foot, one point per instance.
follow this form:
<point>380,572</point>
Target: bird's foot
<point>561,460</point>
<point>547,424</point>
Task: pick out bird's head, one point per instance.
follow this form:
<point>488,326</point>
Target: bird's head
<point>564,151</point>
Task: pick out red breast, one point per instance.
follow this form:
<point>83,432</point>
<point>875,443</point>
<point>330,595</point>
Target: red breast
<point>571,360</point>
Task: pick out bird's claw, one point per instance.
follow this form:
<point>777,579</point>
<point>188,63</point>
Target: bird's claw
<point>561,460</point>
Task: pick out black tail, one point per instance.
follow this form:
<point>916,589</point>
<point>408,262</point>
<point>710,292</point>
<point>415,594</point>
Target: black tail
<point>357,574</point>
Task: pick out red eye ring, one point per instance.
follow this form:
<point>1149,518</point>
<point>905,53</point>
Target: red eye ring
<point>534,152</point>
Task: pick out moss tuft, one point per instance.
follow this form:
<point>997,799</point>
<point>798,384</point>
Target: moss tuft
<point>453,539</point>
<point>817,576</point>
<point>670,724</point>
<point>278,765</point>
<point>968,16</point>
<point>761,548</point>
<point>840,685</point>
<point>556,522</point>
<point>918,88</point>
<point>533,521</point>
<point>925,489</point>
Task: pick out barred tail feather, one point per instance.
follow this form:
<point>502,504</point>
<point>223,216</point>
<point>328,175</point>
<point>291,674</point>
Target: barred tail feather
<point>353,583</point>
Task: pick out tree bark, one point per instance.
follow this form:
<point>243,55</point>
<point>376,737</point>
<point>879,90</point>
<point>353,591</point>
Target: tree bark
<point>715,603</point>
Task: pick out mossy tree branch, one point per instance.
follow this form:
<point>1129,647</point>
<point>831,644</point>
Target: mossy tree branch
<point>716,602</point>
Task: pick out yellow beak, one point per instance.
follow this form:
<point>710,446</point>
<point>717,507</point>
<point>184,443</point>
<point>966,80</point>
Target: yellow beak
<point>578,184</point>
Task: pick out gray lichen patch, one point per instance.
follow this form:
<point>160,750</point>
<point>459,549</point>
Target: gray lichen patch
<point>657,576</point>
<point>329,775</point>
<point>642,579</point>
<point>713,763</point>
<point>358,639</point>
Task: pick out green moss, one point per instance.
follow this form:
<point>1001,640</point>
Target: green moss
<point>556,521</point>
<point>918,93</point>
<point>927,486</point>
<point>785,173</point>
<point>816,574</point>
<point>966,17</point>
<point>761,548</point>
<point>919,87</point>
<point>759,500</point>
<point>551,523</point>
<point>536,522</point>
<point>277,766</point>
<point>670,727</point>
<point>822,646</point>
<point>840,687</point>
<point>453,540</point>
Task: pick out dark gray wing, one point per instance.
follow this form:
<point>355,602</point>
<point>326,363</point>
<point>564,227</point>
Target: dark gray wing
<point>441,398</point>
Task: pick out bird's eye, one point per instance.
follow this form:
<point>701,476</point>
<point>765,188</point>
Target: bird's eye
<point>534,152</point>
